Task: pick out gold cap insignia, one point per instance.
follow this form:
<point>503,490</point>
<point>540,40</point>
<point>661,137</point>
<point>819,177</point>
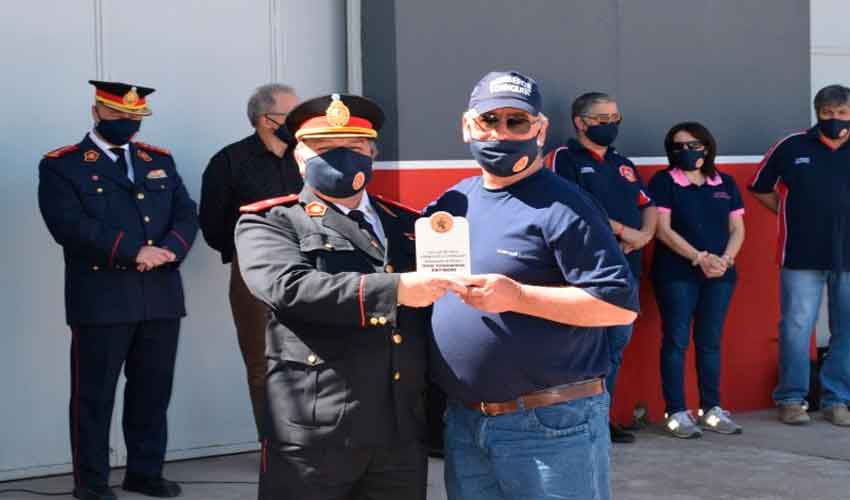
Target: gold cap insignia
<point>442,222</point>
<point>131,97</point>
<point>337,113</point>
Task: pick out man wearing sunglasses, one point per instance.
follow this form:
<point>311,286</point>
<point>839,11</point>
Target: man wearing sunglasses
<point>590,161</point>
<point>258,167</point>
<point>521,352</point>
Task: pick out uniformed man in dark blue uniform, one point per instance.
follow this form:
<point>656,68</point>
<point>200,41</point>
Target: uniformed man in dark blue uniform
<point>125,223</point>
<point>346,341</point>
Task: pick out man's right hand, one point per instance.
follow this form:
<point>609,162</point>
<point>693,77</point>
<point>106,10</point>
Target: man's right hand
<point>422,290</point>
<point>150,257</point>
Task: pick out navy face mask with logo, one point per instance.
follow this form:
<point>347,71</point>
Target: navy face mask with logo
<point>833,127</point>
<point>334,172</point>
<point>505,158</point>
<point>604,134</point>
<point>118,132</point>
<point>687,159</point>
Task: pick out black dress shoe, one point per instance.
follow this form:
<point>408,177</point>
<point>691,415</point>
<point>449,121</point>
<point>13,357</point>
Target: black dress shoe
<point>157,487</point>
<point>103,493</point>
<point>618,435</point>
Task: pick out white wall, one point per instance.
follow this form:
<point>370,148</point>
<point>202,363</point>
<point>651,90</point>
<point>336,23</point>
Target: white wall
<point>830,42</point>
<point>204,57</point>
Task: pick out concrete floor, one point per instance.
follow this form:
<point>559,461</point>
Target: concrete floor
<point>770,461</point>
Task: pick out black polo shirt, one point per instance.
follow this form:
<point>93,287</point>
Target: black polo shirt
<point>240,174</point>
<point>813,184</point>
<point>699,214</point>
<point>612,180</point>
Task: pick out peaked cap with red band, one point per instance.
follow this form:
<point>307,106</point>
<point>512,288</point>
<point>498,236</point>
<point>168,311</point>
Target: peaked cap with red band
<point>335,115</point>
<point>123,97</point>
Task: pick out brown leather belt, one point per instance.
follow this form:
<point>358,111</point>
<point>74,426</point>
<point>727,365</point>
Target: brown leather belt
<point>545,397</point>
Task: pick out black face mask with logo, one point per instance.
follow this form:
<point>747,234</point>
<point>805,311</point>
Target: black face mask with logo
<point>834,128</point>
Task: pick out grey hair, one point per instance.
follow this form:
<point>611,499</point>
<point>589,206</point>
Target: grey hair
<point>262,100</point>
<point>831,95</point>
<point>583,103</point>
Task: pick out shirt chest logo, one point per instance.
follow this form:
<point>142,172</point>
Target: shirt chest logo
<point>587,169</point>
<point>722,195</point>
<point>803,160</point>
<point>628,173</point>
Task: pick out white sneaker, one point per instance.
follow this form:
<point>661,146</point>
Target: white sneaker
<point>717,420</point>
<point>682,425</point>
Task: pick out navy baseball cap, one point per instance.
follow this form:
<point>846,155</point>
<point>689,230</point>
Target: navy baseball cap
<point>506,89</point>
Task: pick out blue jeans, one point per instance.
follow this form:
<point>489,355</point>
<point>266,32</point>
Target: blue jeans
<point>706,303</point>
<point>618,338</point>
<point>557,451</point>
<point>801,292</point>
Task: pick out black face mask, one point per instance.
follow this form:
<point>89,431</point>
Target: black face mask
<point>118,132</point>
<point>604,134</point>
<point>282,132</point>
<point>339,172</point>
<point>833,127</point>
<point>505,158</point>
<point>687,159</point>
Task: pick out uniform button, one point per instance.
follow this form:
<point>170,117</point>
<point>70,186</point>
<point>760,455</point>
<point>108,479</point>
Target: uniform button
<point>389,268</point>
<point>397,338</point>
<point>99,190</point>
<point>382,320</point>
<point>373,321</point>
<point>95,268</point>
<point>312,359</point>
<point>147,219</point>
<point>150,242</point>
<point>329,246</point>
<point>140,196</point>
<point>396,376</point>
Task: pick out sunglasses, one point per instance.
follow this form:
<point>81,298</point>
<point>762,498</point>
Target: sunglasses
<point>692,145</point>
<point>517,124</point>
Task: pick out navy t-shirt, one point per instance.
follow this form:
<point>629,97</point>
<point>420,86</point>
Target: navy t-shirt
<point>813,184</point>
<point>699,214</point>
<point>613,180</point>
<point>541,230</point>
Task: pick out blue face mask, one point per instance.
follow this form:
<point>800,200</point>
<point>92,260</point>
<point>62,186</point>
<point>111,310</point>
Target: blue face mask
<point>603,134</point>
<point>339,172</point>
<point>505,158</point>
<point>833,127</point>
<point>118,132</point>
<point>687,159</point>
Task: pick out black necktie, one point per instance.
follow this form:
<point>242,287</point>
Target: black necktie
<point>121,161</point>
<point>360,218</point>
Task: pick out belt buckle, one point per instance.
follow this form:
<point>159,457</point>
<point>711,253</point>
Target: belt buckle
<point>483,407</point>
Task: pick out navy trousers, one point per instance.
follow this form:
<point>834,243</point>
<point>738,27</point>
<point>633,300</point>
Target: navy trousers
<point>147,351</point>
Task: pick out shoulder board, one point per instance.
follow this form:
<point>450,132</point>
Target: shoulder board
<point>153,149</point>
<point>387,205</point>
<point>262,206</point>
<point>60,152</point>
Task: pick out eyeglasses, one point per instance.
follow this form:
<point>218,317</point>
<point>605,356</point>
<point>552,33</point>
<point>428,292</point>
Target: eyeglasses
<point>517,124</point>
<point>692,145</point>
<point>282,115</point>
<point>605,118</point>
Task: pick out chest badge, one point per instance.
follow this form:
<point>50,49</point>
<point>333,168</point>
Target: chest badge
<point>91,156</point>
<point>157,174</point>
<point>315,209</point>
<point>628,173</point>
<point>143,155</point>
<point>803,160</point>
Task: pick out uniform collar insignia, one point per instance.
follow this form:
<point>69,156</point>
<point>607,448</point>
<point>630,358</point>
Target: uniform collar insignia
<point>315,209</point>
<point>143,155</point>
<point>91,156</point>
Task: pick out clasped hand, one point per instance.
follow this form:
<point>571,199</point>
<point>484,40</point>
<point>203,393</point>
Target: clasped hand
<point>150,257</point>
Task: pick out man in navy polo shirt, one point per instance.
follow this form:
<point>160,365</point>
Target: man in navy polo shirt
<point>522,353</point>
<point>805,178</point>
<point>590,161</point>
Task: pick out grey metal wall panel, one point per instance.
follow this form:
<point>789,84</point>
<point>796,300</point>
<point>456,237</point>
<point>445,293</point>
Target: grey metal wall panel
<point>742,67</point>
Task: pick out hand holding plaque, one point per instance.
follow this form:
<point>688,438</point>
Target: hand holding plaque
<point>442,245</point>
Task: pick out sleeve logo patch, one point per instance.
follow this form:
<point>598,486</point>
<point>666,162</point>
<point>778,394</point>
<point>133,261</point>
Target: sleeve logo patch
<point>628,173</point>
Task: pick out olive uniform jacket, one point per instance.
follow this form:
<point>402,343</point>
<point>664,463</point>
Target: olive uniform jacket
<point>346,363</point>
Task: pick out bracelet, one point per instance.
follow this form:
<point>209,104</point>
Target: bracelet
<point>695,262</point>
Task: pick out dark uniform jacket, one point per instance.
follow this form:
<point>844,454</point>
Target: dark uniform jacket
<point>242,173</point>
<point>102,219</point>
<point>346,363</point>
